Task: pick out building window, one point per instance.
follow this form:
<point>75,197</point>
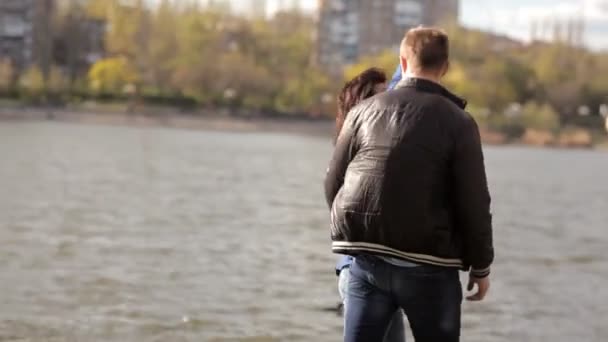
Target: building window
<point>408,12</point>
<point>12,25</point>
<point>351,52</point>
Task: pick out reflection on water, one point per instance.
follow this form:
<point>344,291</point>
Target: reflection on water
<point>122,234</point>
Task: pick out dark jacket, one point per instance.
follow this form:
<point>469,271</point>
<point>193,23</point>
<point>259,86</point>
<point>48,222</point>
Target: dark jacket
<point>346,260</point>
<point>407,180</point>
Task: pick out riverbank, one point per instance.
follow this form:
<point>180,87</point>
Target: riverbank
<point>570,138</point>
<point>166,117</point>
<point>173,119</point>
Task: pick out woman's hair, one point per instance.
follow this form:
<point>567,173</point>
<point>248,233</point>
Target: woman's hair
<point>356,90</point>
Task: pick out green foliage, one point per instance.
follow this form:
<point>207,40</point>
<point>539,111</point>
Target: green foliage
<point>252,85</point>
<point>100,9</point>
<point>514,122</point>
<point>303,93</point>
<point>493,88</point>
<point>112,75</point>
<point>513,127</point>
<point>31,83</point>
<point>178,49</point>
<point>7,75</point>
<point>182,50</point>
<point>128,31</point>
<point>57,82</point>
<point>162,48</point>
<point>387,61</point>
<point>540,117</point>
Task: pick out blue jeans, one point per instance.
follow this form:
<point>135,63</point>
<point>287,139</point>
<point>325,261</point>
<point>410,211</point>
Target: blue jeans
<point>430,296</point>
<point>396,328</point>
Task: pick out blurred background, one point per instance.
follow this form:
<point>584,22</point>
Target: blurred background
<point>161,163</point>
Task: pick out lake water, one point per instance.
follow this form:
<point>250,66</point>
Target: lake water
<point>127,234</point>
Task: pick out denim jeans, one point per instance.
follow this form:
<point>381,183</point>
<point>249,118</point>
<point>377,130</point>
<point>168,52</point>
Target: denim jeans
<point>396,328</point>
<point>430,296</point>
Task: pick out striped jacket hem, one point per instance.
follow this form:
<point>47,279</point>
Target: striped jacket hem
<point>340,247</point>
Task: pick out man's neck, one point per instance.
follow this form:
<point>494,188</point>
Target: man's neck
<point>424,76</point>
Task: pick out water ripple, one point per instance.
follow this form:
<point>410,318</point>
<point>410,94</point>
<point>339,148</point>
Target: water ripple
<point>121,234</point>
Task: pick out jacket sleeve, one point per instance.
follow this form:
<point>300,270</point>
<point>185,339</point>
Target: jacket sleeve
<point>472,199</point>
<point>343,154</point>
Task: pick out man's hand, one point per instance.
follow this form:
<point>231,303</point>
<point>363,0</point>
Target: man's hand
<point>483,285</point>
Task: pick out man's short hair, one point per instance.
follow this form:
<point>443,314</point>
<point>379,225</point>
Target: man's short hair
<point>425,48</point>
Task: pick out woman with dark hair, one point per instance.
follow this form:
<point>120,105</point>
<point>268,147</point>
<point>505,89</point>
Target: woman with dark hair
<point>367,84</point>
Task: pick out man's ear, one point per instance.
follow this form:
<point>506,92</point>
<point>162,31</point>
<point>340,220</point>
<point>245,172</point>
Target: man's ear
<point>403,63</point>
<point>446,68</point>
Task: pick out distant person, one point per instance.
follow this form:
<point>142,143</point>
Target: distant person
<point>409,197</point>
<point>367,84</point>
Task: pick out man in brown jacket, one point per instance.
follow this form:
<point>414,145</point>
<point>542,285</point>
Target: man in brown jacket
<point>409,199</point>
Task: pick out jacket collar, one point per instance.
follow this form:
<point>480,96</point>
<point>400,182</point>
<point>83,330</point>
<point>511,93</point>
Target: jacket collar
<point>431,87</point>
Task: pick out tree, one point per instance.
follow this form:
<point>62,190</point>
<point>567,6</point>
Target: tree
<point>162,47</point>
<point>540,117</point>
<point>180,48</point>
<point>128,31</point>
<point>497,90</point>
<point>124,22</point>
<point>387,61</point>
<point>32,82</point>
<point>112,75</point>
<point>7,75</point>
<point>57,82</point>
<point>253,85</point>
<point>70,46</point>
<point>195,62</point>
<point>100,9</point>
<point>302,94</point>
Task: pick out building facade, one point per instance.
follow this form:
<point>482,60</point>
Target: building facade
<point>25,32</point>
<point>28,36</point>
<point>350,29</point>
<point>17,31</point>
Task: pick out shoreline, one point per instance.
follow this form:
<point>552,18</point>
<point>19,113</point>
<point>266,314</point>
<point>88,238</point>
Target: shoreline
<point>194,121</point>
<point>225,123</point>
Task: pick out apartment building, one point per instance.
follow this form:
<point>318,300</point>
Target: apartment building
<point>17,31</point>
<point>349,29</point>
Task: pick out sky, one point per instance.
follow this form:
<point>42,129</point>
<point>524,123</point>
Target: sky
<point>514,17</point>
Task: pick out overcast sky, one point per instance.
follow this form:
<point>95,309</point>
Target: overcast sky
<point>514,17</point>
